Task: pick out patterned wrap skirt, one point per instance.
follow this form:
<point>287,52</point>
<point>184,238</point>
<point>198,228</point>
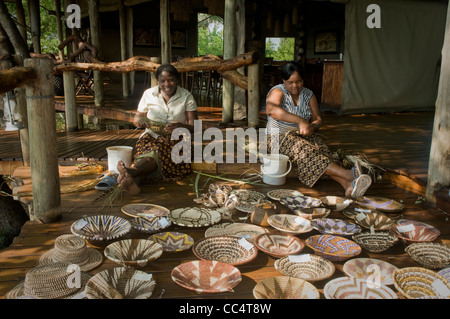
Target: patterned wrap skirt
<point>309,155</point>
<point>160,148</point>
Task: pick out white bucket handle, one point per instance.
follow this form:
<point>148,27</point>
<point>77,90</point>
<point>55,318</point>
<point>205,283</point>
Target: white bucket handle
<point>282,175</point>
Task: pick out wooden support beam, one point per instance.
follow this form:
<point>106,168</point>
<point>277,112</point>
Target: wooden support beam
<point>15,77</point>
<point>43,152</point>
<point>35,18</point>
<point>123,47</point>
<point>95,28</point>
<point>229,51</point>
<point>166,46</point>
<point>253,95</point>
<point>70,101</point>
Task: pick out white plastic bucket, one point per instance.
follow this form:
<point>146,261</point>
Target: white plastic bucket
<point>275,179</point>
<point>275,164</point>
<point>117,153</point>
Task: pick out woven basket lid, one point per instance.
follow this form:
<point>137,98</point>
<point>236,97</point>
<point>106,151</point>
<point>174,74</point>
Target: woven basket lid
<point>52,281</point>
<point>72,249</point>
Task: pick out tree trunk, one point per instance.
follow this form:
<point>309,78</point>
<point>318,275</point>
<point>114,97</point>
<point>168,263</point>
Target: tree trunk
<point>13,33</point>
<point>15,77</point>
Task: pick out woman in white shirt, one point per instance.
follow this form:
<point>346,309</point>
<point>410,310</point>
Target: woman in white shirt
<point>162,109</point>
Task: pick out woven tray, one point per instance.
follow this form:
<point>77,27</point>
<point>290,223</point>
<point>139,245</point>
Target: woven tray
<point>353,288</point>
<point>282,287</point>
<point>334,226</point>
<point>364,268</point>
<point>173,241</point>
<point>279,245</point>
<point>334,248</point>
<point>133,252</point>
<point>310,267</point>
<point>289,223</point>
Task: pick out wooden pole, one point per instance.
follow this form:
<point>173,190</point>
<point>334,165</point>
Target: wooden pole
<point>166,50</point>
<point>35,18</point>
<point>123,47</point>
<point>130,45</point>
<point>229,48</point>
<point>70,101</point>
<point>43,153</point>
<point>59,27</point>
<point>153,79</point>
<point>439,163</point>
<point>22,22</point>
<point>94,20</point>
<point>253,95</point>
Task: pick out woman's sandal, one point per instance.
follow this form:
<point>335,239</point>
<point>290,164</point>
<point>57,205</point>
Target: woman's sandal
<point>357,170</point>
<point>108,181</point>
<point>361,185</point>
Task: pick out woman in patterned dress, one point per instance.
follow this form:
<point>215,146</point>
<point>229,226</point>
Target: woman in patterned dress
<point>162,109</point>
<point>294,116</point>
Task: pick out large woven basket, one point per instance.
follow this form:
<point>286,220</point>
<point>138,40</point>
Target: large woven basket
<point>282,287</point>
<point>227,249</point>
<point>133,252</point>
<point>429,255</point>
<point>376,242</point>
<point>334,248</point>
<point>279,244</point>
<point>314,268</point>
<point>354,288</point>
<point>418,282</point>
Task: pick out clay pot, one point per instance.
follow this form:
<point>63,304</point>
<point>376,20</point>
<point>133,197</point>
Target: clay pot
<point>261,214</point>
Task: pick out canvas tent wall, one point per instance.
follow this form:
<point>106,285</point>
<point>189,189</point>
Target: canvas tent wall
<point>395,67</point>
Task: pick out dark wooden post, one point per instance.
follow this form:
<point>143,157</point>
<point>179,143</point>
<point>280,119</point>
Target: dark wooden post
<point>35,18</point>
<point>123,47</point>
<point>166,46</point>
<point>253,95</point>
<point>42,132</point>
<point>229,50</point>
<point>438,167</point>
<point>94,20</point>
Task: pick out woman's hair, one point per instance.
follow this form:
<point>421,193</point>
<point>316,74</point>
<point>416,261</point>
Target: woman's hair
<point>169,68</point>
<point>289,68</point>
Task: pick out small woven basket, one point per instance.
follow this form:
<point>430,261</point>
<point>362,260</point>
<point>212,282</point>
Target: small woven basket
<point>418,282</point>
<point>429,255</point>
<point>315,269</point>
<point>376,242</point>
<point>281,287</point>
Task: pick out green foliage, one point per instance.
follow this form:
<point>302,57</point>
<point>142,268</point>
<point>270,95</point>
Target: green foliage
<point>283,52</point>
<point>210,35</point>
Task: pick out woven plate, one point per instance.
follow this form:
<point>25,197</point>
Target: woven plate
<point>445,272</point>
<point>312,213</point>
<point>299,202</point>
<point>376,242</point>
<point>374,221</point>
<point>365,268</point>
<point>290,223</point>
<point>228,249</point>
<point>283,287</point>
<point>411,231</point>
<point>195,216</point>
<point>216,230</point>
<point>101,228</point>
<point>335,203</point>
<point>279,245</point>
<point>429,255</point>
<point>206,276</point>
<point>133,252</point>
<point>120,283</point>
<point>305,266</point>
<point>353,288</point>
<point>381,204</point>
<point>150,225</point>
<point>247,231</point>
<point>143,209</point>
<point>173,241</point>
<point>418,282</point>
<point>277,194</point>
<point>333,226</point>
<point>248,207</point>
<point>332,247</point>
<point>248,196</point>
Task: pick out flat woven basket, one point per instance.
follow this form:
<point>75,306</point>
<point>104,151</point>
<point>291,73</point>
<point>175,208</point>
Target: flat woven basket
<point>429,255</point>
<point>281,287</point>
<point>376,242</point>
<point>225,249</point>
<point>315,269</point>
<point>418,282</point>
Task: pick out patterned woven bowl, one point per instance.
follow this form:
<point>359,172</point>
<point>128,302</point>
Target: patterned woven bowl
<point>228,249</point>
<point>144,210</point>
<point>290,223</point>
<point>332,247</point>
<point>418,282</point>
<point>380,203</point>
<point>445,272</point>
<point>277,194</point>
<point>173,241</point>
<point>101,228</point>
<point>247,231</point>
<point>411,231</point>
<point>376,242</point>
<point>335,203</point>
<point>374,221</point>
<point>309,267</point>
<point>429,255</point>
<point>283,287</point>
<point>206,276</point>
<point>195,216</point>
<point>353,288</point>
<point>298,202</point>
<point>133,252</point>
<point>120,283</point>
<point>366,268</point>
<point>150,225</point>
<point>279,245</point>
<point>333,226</point>
<point>312,213</point>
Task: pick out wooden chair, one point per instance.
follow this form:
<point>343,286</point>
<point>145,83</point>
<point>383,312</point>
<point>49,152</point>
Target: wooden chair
<point>85,83</point>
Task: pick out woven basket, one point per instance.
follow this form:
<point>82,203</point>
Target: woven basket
<point>173,241</point>
<point>315,269</point>
<point>334,226</point>
<point>133,252</point>
<point>282,287</point>
<point>418,282</point>
<point>363,268</point>
<point>421,233</point>
<point>312,213</point>
<point>353,288</point>
<point>279,245</point>
<point>120,283</point>
<point>334,248</point>
<point>375,221</point>
<point>429,255</point>
<point>225,249</point>
<point>290,223</point>
<point>376,242</point>
<point>335,203</point>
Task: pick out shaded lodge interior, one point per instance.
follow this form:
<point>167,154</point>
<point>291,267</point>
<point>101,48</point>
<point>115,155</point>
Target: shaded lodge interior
<point>379,69</point>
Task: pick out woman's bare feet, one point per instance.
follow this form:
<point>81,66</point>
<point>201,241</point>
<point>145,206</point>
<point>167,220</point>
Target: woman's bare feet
<point>126,181</point>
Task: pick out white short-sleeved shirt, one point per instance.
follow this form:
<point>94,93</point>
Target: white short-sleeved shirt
<point>152,103</point>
